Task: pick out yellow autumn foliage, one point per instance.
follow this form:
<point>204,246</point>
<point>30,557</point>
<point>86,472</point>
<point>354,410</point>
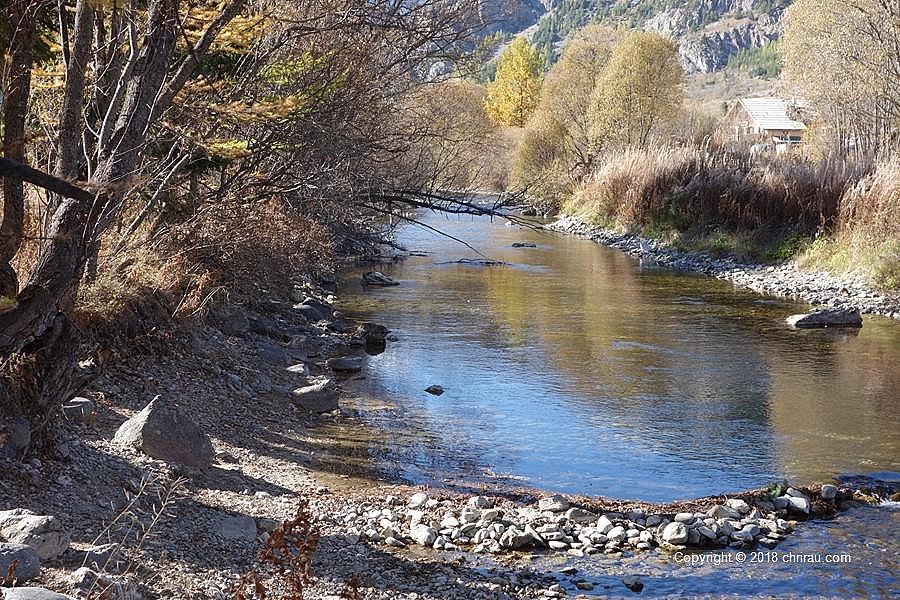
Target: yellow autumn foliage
<point>513,95</point>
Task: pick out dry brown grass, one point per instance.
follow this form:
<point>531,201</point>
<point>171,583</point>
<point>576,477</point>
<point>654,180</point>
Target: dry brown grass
<point>691,188</point>
<point>241,253</point>
<point>764,208</point>
<point>867,236</point>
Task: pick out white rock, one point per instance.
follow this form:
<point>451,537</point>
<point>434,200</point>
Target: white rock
<point>469,515</point>
<point>417,500</point>
<point>799,504</point>
<point>723,512</point>
<point>490,514</point>
<point>480,502</point>
<point>616,534</point>
<point>580,515</point>
<point>449,522</point>
<point>44,533</point>
<point>423,535</point>
<point>514,538</point>
<point>675,533</point>
<point>554,503</point>
<point>739,505</point>
<point>604,524</point>
<point>31,593</point>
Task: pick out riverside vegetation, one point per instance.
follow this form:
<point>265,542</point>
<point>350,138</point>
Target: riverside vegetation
<point>180,184</point>
<point>610,143</point>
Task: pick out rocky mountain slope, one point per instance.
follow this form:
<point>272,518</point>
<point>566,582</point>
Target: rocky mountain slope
<point>709,32</point>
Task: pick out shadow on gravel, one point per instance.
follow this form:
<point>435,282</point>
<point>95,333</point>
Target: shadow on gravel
<point>234,480</point>
<point>395,575</point>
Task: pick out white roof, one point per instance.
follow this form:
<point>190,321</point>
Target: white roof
<point>770,113</point>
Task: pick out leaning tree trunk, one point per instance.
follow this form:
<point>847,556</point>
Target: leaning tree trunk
<point>39,366</point>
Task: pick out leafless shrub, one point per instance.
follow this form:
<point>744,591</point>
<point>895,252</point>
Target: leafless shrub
<point>284,565</point>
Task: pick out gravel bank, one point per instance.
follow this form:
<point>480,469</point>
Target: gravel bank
<point>786,279</point>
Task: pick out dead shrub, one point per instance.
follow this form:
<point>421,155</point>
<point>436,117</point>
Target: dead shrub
<point>248,249</point>
<point>284,565</point>
<point>230,251</point>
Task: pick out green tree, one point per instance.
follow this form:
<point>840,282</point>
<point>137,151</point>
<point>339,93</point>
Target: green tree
<point>640,90</point>
<point>513,95</point>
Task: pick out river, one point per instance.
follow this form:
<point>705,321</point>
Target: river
<point>576,368</point>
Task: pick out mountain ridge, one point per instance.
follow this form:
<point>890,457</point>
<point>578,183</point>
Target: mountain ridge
<point>708,32</point>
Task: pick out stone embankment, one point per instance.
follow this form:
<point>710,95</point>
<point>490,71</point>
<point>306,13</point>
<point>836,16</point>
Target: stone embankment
<point>785,279</point>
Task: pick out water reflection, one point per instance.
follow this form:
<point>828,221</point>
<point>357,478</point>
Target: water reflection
<point>580,370</point>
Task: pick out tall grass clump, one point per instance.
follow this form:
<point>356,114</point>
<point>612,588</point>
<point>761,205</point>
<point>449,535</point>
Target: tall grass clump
<point>692,189</point>
<point>866,240</point>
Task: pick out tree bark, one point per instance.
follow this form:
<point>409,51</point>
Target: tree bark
<point>20,16</point>
<point>69,155</point>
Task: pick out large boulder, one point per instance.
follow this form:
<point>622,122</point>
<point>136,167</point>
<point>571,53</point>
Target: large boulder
<point>44,533</point>
<point>163,431</point>
<point>31,593</point>
<point>320,396</point>
<point>826,318</point>
<point>28,565</point>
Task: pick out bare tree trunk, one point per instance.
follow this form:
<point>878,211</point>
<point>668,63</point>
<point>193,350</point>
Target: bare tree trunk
<point>68,143</point>
<point>20,17</point>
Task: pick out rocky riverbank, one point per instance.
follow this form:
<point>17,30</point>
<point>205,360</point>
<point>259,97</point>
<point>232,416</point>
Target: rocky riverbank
<point>176,468</point>
<point>785,279</point>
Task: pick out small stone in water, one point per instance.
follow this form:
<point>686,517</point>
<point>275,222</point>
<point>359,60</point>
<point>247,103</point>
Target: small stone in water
<point>633,583</point>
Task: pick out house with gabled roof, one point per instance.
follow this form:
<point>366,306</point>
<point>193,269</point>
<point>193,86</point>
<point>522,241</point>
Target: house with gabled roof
<point>767,121</point>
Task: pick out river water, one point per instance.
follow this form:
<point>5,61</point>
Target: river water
<point>576,368</point>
